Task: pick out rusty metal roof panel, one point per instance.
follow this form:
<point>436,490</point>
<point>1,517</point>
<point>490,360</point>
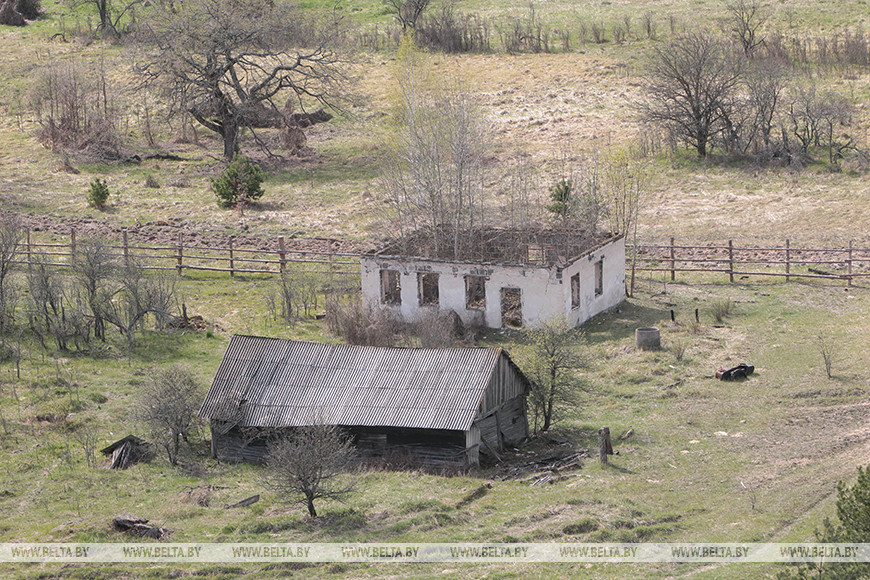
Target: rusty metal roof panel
<point>285,383</point>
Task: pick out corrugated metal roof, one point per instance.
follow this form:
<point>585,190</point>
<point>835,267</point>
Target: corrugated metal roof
<point>270,382</point>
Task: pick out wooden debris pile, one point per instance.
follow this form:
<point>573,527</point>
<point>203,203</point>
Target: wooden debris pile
<point>545,469</point>
<point>128,451</point>
<point>195,322</point>
<point>200,494</point>
<point>138,526</point>
<point>244,503</point>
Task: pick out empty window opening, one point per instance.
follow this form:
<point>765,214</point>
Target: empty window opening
<point>475,292</point>
<point>599,277</point>
<point>535,254</point>
<point>391,288</point>
<point>575,291</point>
<point>511,307</point>
<point>427,289</point>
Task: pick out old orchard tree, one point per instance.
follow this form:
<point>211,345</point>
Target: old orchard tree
<point>227,62</point>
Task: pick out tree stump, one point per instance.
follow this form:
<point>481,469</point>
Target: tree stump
<point>604,446</point>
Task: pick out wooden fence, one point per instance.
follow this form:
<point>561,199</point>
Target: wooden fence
<point>844,263</point>
<point>183,255</point>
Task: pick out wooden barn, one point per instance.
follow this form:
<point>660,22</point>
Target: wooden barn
<point>441,407</point>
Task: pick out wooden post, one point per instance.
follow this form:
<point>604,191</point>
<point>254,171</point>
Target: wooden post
<point>29,250</point>
<point>787,260</point>
<point>697,316</point>
<point>72,246</point>
<point>282,253</point>
<point>730,260</point>
<point>232,264</point>
<point>604,446</point>
<point>180,256</point>
<point>673,262</point>
<point>126,249</point>
<point>849,266</point>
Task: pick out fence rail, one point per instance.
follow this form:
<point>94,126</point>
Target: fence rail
<point>187,256</point>
<point>845,263</point>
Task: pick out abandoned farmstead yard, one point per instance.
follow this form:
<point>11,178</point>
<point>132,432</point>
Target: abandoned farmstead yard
<point>701,460</point>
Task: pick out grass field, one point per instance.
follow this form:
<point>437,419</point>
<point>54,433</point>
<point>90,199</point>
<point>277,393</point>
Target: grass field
<point>752,461</point>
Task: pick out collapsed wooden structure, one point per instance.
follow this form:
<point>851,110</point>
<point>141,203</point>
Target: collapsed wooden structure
<point>128,451</point>
<point>435,407</point>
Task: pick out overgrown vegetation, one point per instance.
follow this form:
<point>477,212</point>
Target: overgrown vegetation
<point>551,360</point>
<point>168,408</point>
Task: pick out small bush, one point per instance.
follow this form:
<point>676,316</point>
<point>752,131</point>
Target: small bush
<point>98,194</point>
<point>151,182</point>
<point>239,184</point>
<point>720,309</point>
<point>828,353</point>
<point>678,349</point>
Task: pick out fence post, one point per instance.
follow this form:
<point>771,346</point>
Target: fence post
<point>282,254</point>
<point>849,266</point>
<point>126,249</point>
<point>730,260</point>
<point>673,261</point>
<point>232,264</point>
<point>604,446</point>
<point>787,260</point>
<point>29,250</point>
<point>180,256</point>
<point>72,246</point>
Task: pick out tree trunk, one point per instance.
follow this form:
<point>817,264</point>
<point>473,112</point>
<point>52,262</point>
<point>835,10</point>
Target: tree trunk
<point>175,444</point>
<point>104,15</point>
<point>311,509</point>
<point>231,138</point>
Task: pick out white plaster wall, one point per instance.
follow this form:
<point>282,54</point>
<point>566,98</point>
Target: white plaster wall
<point>613,257</point>
<point>546,292</point>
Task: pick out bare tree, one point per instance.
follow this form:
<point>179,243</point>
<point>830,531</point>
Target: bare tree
<point>309,465</point>
<point>550,360</point>
<point>88,438</point>
<point>765,82</point>
<point>168,407</point>
<point>691,86</point>
<point>407,12</point>
<point>821,119</point>
<point>11,234</point>
<point>138,296</point>
<point>77,109</point>
<point>435,162</point>
<point>95,268</point>
<point>627,176</point>
<point>227,63</point>
<point>745,19</point>
<point>110,13</point>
